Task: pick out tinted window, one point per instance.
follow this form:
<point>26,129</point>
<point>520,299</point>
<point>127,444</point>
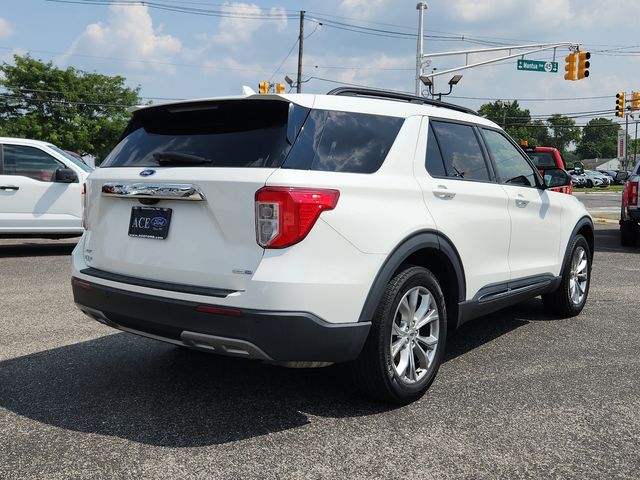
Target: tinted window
<point>434,163</point>
<point>71,158</point>
<point>29,162</point>
<point>542,159</point>
<point>512,167</point>
<point>343,142</point>
<point>232,133</point>
<point>460,151</point>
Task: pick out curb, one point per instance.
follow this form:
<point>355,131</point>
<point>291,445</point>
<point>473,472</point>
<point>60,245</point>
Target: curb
<point>605,220</point>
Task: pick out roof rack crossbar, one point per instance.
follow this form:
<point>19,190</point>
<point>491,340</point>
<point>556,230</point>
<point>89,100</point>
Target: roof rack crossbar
<point>405,97</point>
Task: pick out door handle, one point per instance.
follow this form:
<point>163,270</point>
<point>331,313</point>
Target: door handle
<point>9,187</point>
<point>521,202</point>
<point>443,193</point>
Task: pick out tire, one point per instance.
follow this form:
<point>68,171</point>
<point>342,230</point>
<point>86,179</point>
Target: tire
<point>570,297</point>
<point>589,184</point>
<point>404,377</point>
<point>628,233</point>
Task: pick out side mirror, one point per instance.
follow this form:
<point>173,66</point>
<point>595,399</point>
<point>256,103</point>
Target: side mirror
<point>65,175</point>
<point>578,168</point>
<point>555,177</point>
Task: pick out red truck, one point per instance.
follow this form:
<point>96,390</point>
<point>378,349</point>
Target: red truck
<point>547,157</point>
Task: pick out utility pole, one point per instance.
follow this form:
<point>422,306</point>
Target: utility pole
<point>421,7</point>
<point>626,136</point>
<point>635,146</point>
<point>300,50</point>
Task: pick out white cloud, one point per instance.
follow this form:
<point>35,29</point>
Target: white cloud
<point>479,10</point>
<point>363,8</point>
<point>281,14</point>
<point>237,30</point>
<point>5,28</point>
<point>128,33</point>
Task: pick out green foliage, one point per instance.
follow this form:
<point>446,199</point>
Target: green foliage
<point>558,131</point>
<point>563,132</point>
<point>538,134</point>
<point>599,139</point>
<point>76,110</point>
<point>509,116</point>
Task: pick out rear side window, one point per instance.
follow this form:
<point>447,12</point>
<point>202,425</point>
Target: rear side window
<point>542,159</point>
<point>343,142</point>
<point>231,133</point>
<point>461,152</point>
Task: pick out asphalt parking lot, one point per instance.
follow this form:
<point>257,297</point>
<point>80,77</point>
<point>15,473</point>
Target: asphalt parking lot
<point>520,395</point>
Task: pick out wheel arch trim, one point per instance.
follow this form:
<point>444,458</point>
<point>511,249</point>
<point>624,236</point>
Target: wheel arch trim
<point>580,224</point>
<point>427,239</point>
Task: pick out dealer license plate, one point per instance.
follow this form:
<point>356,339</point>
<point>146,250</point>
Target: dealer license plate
<point>149,222</point>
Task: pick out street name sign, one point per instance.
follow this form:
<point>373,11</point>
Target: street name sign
<point>537,66</point>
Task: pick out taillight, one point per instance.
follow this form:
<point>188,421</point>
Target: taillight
<point>285,215</point>
<point>85,224</point>
<point>630,196</point>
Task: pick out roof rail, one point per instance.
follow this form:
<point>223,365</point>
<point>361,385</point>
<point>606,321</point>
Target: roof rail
<point>388,95</point>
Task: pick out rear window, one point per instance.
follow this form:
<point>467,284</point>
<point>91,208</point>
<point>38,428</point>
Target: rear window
<point>334,141</point>
<point>258,134</point>
<point>232,133</point>
<point>542,159</point>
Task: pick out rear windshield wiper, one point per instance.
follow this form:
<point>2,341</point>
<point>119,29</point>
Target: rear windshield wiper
<point>166,158</point>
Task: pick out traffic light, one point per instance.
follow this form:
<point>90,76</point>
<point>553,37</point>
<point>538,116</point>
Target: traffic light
<point>635,101</point>
<point>263,87</point>
<point>280,88</point>
<point>620,104</point>
<point>571,66</point>
<point>583,64</point>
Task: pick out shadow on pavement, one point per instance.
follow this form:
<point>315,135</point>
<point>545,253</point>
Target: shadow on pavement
<point>33,249</point>
<point>157,394</point>
<point>153,393</point>
<point>607,239</point>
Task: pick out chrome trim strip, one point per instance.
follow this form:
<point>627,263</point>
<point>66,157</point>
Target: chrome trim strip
<point>159,191</point>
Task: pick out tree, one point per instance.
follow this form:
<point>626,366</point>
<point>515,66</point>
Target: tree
<point>599,139</point>
<point>538,133</point>
<point>563,131</point>
<point>76,110</point>
<point>509,116</point>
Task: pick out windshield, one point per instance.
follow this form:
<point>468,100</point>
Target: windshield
<point>71,158</point>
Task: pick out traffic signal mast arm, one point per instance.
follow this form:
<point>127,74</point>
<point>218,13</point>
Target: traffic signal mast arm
<point>530,49</point>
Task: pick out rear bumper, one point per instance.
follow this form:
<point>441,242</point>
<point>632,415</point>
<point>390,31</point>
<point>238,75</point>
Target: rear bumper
<point>267,335</point>
<point>631,214</point>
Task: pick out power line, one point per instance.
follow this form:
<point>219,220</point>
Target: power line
<point>68,102</point>
<point>284,60</point>
<point>150,62</point>
<point>189,10</point>
<point>533,99</point>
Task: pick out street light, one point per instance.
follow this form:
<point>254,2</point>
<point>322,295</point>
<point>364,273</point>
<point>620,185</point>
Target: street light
<point>455,80</point>
<point>428,81</point>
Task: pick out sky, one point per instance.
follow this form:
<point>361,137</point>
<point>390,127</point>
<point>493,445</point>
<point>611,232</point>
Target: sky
<point>177,49</point>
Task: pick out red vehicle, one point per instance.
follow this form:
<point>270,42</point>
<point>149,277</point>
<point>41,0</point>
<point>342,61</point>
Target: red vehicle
<point>547,157</point>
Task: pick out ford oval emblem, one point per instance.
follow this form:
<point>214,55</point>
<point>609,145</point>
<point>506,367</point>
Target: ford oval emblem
<point>158,222</point>
<point>147,173</point>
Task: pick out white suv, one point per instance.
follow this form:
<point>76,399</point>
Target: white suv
<point>358,226</point>
<point>40,189</point>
